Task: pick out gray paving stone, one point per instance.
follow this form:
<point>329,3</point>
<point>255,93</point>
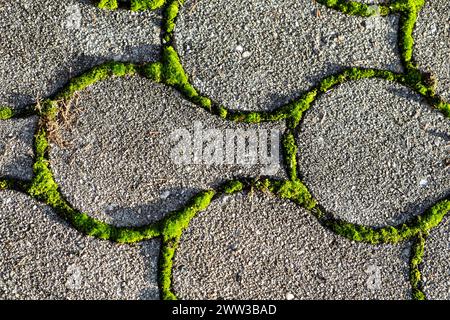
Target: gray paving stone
<point>45,43</point>
<point>119,164</point>
<point>43,258</point>
<point>257,55</point>
<point>436,263</point>
<point>260,247</point>
<point>16,147</point>
<point>432,43</point>
<point>374,153</point>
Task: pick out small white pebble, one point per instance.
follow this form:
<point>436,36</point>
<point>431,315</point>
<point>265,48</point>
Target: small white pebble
<point>239,48</point>
<point>165,195</point>
<point>246,54</point>
<point>290,296</point>
<point>423,183</point>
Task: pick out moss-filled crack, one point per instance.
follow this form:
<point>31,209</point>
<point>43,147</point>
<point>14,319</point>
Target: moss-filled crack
<point>416,259</point>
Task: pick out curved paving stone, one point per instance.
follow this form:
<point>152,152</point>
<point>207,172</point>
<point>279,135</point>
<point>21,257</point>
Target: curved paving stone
<point>118,166</point>
<point>45,43</point>
<point>432,43</point>
<point>43,258</point>
<point>436,263</point>
<point>260,247</point>
<point>257,55</point>
<point>16,147</point>
<point>374,153</point>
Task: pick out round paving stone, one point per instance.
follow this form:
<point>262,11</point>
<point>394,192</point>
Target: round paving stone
<point>259,247</point>
<point>257,55</point>
<point>432,43</point>
<point>118,160</point>
<point>45,43</point>
<point>374,153</point>
<point>41,257</point>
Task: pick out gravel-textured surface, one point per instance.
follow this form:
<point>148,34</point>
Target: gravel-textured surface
<point>277,48</point>
<point>43,258</point>
<point>259,247</point>
<point>436,263</point>
<point>118,166</point>
<point>374,153</point>
<point>371,152</point>
<point>16,147</point>
<point>45,43</point>
<point>432,43</point>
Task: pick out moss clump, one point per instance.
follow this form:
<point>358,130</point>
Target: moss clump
<point>141,5</point>
<point>152,71</point>
<point>166,265</point>
<point>444,108</point>
<point>222,112</point>
<point>233,186</point>
<point>415,276</point>
<point>173,74</point>
<point>409,10</point>
<point>6,113</point>
<point>422,224</point>
<point>356,8</point>
<point>5,184</point>
<point>170,15</point>
<point>176,222</point>
<point>94,75</point>
<point>108,4</point>
<point>293,190</point>
<point>253,117</point>
<point>290,154</point>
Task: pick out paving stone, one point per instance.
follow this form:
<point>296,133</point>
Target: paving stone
<point>257,55</point>
<point>45,43</point>
<point>119,165</point>
<point>259,247</point>
<point>16,147</point>
<point>41,257</point>
<point>374,153</point>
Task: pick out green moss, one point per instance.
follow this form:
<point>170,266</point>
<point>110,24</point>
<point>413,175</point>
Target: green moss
<point>5,184</point>
<point>415,276</point>
<point>233,186</point>
<point>173,74</point>
<point>297,108</point>
<point>166,265</point>
<point>94,75</point>
<point>409,10</point>
<point>6,113</point>
<point>422,224</point>
<point>290,154</point>
<point>135,5</point>
<point>108,4</point>
<point>356,8</point>
<point>176,222</point>
<point>222,112</point>
<point>444,108</point>
<point>152,71</point>
<point>253,117</point>
<point>141,5</point>
<point>292,190</point>
<point>170,15</point>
